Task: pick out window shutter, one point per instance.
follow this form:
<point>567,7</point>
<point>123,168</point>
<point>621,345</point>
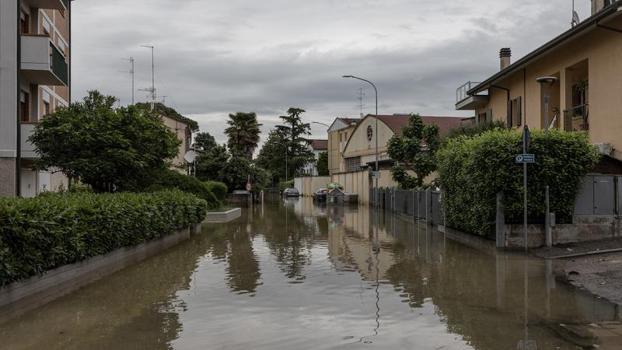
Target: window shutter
<point>509,116</point>
<point>519,114</point>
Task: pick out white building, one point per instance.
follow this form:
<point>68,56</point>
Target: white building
<point>318,147</point>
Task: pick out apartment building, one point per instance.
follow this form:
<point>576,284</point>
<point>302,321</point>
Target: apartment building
<point>572,83</point>
<point>35,51</point>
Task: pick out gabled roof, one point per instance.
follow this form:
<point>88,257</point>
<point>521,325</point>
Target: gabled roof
<point>347,122</point>
<point>583,27</point>
<point>397,122</point>
<point>319,145</point>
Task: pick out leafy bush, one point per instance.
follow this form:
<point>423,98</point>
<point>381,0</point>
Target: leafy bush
<point>286,184</point>
<point>474,169</point>
<point>170,179</point>
<point>42,233</point>
<point>219,189</point>
<point>475,129</point>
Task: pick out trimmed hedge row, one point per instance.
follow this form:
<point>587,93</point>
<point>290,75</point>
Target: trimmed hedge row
<point>219,189</point>
<point>474,169</point>
<point>171,179</point>
<point>40,234</point>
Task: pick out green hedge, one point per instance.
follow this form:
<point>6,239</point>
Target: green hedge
<point>474,169</point>
<point>52,230</point>
<point>170,179</point>
<point>219,189</point>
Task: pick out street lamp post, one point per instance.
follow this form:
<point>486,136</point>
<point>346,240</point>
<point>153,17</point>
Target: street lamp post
<point>376,170</point>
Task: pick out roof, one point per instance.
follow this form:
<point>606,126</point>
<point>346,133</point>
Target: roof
<point>319,145</point>
<point>170,113</point>
<point>590,23</point>
<point>348,122</point>
<point>397,122</point>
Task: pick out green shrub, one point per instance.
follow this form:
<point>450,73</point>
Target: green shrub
<point>286,184</point>
<point>219,189</point>
<point>474,169</point>
<point>40,234</point>
<point>475,129</point>
<point>170,179</point>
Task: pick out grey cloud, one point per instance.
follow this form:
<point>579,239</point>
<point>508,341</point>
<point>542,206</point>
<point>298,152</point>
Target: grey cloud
<point>216,57</point>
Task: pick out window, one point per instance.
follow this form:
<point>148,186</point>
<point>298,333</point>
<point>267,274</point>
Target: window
<point>353,164</point>
<point>46,108</point>
<point>515,112</point>
<point>24,106</point>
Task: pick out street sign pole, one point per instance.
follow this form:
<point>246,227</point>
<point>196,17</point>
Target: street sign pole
<point>526,137</point>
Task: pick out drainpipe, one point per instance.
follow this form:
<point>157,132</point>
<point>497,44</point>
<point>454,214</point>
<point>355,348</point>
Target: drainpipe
<point>507,92</point>
<point>18,149</point>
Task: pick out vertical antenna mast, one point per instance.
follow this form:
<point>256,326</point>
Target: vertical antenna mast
<point>360,98</point>
<point>152,90</point>
<point>132,72</point>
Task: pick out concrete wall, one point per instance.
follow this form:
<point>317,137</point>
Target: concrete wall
<point>308,185</point>
<point>20,297</point>
<point>602,50</point>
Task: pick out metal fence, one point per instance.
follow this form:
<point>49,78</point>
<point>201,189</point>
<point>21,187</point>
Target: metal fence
<point>424,205</point>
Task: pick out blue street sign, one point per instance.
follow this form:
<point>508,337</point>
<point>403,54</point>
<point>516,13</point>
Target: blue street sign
<point>525,158</point>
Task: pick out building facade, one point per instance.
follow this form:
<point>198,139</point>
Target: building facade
<point>360,149</point>
<point>338,134</point>
<point>571,83</point>
<point>35,51</point>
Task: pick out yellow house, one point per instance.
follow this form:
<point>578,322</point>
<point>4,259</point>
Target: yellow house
<point>572,83</point>
<point>338,134</point>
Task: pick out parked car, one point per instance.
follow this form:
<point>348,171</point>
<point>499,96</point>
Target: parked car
<point>291,192</point>
<point>320,195</point>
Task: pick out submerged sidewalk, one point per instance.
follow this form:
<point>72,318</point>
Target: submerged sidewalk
<point>592,266</point>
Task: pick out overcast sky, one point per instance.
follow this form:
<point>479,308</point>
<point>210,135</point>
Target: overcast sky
<point>214,57</point>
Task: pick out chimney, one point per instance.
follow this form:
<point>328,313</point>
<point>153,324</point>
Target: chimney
<point>506,57</point>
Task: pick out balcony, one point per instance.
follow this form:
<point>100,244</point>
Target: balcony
<point>28,149</point>
<point>576,118</point>
<point>49,4</point>
<point>42,63</point>
<point>466,102</point>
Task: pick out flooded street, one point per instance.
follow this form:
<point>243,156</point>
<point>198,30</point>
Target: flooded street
<point>296,276</point>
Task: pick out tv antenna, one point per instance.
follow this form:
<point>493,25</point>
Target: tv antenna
<point>152,89</point>
<point>575,16</point>
<point>361,99</point>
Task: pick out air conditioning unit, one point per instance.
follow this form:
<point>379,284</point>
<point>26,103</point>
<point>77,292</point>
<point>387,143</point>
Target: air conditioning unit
<point>604,148</point>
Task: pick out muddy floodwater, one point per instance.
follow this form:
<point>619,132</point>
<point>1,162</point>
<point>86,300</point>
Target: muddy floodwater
<point>291,275</point>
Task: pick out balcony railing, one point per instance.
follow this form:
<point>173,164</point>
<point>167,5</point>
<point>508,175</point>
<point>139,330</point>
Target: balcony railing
<point>462,91</point>
<point>577,118</point>
<point>42,62</point>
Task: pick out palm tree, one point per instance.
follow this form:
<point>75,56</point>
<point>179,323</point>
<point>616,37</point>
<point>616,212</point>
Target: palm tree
<point>243,133</point>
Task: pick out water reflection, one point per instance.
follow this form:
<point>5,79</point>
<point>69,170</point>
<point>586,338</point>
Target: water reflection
<point>298,276</point>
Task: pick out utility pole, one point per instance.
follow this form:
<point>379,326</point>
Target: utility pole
<point>132,73</point>
<point>152,90</point>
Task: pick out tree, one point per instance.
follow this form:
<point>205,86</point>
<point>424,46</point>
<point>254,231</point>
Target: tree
<point>287,144</point>
<point>104,147</point>
<point>243,133</point>
<point>322,164</point>
<point>415,151</point>
<point>239,170</point>
<point>211,157</point>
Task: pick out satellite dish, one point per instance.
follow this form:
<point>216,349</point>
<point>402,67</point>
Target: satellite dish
<point>190,156</point>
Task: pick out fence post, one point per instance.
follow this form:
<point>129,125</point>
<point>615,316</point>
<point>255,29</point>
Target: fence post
<point>500,222</point>
<point>547,220</point>
<point>428,205</point>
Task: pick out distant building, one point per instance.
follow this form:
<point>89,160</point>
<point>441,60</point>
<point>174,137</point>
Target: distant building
<point>318,147</point>
<point>338,135</point>
<point>35,51</point>
<point>582,92</point>
<point>181,126</point>
<point>360,149</point>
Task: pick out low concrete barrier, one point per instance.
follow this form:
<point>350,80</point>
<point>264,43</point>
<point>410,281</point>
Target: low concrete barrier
<point>223,216</point>
<point>23,296</point>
